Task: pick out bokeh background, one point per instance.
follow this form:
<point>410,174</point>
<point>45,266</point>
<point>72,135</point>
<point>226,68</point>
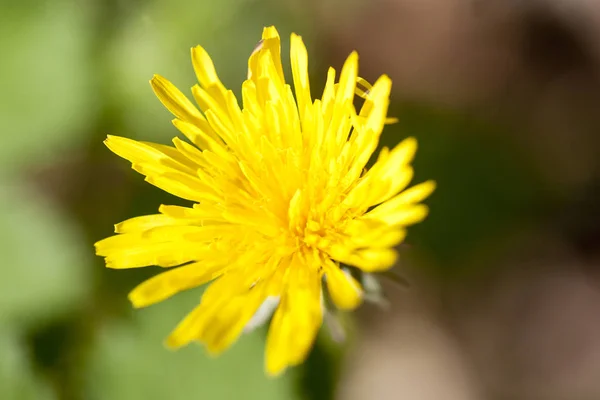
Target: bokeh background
<point>503,95</point>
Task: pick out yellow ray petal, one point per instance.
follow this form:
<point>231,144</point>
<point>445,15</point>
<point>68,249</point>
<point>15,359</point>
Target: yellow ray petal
<point>233,316</point>
<point>271,43</point>
<point>297,319</point>
<point>226,307</point>
<point>403,216</point>
<point>161,254</point>
<point>174,100</point>
<point>146,222</point>
<point>207,75</point>
<point>344,290</point>
<point>413,195</point>
<point>299,61</point>
<point>372,233</point>
<point>167,284</point>
<point>156,161</point>
<point>402,209</point>
<point>368,259</point>
<point>348,76</point>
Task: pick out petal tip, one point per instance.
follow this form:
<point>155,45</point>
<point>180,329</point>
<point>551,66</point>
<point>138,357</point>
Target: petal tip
<point>173,343</point>
<point>411,142</point>
<point>270,32</point>
<point>432,184</point>
<point>273,370</point>
<point>110,139</point>
<point>157,80</point>
<point>136,303</point>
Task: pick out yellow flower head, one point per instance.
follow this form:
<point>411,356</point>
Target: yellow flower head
<point>281,200</point>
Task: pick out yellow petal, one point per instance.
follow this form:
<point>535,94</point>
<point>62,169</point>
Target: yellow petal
<point>344,290</point>
<point>403,216</point>
<point>187,329</point>
<point>271,43</point>
<point>413,195</point>
<point>167,284</point>
<point>204,67</point>
<point>390,185</point>
<point>207,102</point>
<point>203,137</point>
<point>299,61</point>
<point>373,233</point>
<point>348,76</point>
<point>368,260</point>
<point>226,307</point>
<point>232,317</point>
<point>181,185</point>
<point>402,209</point>
<point>174,100</point>
<point>367,129</point>
<point>145,222</point>
<point>297,320</point>
<point>328,90</point>
<point>380,97</point>
<point>194,214</point>
<point>146,253</point>
<point>131,150</point>
<point>161,165</point>
<point>400,156</point>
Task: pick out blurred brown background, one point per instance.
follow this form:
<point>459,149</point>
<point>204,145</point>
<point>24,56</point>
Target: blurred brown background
<point>504,301</point>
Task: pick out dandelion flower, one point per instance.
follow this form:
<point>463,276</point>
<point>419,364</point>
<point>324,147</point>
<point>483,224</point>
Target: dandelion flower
<point>282,201</point>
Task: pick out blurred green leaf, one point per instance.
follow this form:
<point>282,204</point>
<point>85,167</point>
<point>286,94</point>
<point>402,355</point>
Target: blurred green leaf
<point>129,362</point>
<point>44,80</point>
<point>44,270</point>
<point>17,378</point>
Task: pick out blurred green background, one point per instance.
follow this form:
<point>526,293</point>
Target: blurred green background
<point>503,98</point>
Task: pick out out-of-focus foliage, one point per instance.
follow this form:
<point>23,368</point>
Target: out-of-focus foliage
<point>127,362</point>
<point>46,99</point>
<point>17,378</point>
<point>45,270</point>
